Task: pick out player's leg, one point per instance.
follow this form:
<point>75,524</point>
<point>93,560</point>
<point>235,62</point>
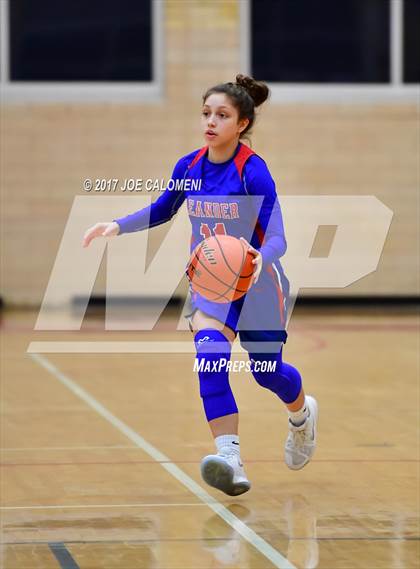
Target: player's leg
<point>201,320</point>
<point>262,333</point>
<point>213,339</point>
<point>283,379</point>
<point>213,346</point>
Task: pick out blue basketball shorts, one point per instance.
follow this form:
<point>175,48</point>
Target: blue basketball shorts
<point>259,317</point>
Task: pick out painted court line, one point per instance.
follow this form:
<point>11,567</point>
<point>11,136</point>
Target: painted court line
<point>109,447</point>
<point>110,347</point>
<point>62,554</point>
<point>117,347</point>
<point>106,506</point>
<point>248,461</point>
<point>242,529</point>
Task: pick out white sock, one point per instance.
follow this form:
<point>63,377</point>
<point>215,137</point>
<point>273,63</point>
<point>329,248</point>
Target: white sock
<point>300,416</point>
<point>227,444</point>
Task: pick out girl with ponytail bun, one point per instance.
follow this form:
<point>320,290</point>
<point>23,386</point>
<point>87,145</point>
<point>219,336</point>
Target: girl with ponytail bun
<point>245,94</point>
<point>236,196</point>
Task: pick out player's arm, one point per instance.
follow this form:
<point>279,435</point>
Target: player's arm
<point>259,182</point>
<point>162,210</point>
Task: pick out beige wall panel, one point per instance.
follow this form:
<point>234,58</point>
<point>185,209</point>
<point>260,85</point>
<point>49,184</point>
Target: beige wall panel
<point>48,150</point>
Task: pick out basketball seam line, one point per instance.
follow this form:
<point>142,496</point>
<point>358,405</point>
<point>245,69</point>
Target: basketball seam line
<point>229,287</point>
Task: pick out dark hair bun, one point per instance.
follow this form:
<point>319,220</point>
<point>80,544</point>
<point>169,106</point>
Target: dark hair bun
<point>256,89</point>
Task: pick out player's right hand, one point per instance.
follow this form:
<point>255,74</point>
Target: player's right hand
<point>105,229</point>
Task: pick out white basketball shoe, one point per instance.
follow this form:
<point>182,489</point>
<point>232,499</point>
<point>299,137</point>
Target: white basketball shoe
<point>225,472</point>
<point>301,441</point>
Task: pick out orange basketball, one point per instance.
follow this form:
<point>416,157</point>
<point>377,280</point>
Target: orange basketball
<point>221,269</point>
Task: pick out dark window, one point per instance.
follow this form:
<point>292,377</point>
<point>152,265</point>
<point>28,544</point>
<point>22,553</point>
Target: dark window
<point>80,40</point>
<point>327,41</point>
<point>411,41</point>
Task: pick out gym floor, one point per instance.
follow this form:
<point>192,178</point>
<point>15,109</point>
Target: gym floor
<point>101,452</point>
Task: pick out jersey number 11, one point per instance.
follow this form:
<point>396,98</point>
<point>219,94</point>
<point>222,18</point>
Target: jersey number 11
<point>218,229</point>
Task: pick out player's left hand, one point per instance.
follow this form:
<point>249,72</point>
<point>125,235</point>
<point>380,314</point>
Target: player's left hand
<point>257,261</point>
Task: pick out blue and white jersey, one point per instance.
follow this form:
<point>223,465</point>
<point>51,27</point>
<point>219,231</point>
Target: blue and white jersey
<point>237,197</point>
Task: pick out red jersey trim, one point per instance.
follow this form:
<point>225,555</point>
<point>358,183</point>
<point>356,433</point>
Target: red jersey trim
<point>197,157</point>
<point>240,159</point>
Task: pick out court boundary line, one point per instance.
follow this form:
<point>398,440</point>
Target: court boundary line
<point>183,539</point>
<point>249,535</point>
<point>117,347</point>
<point>105,506</point>
<point>110,447</point>
<point>63,555</point>
<point>5,450</point>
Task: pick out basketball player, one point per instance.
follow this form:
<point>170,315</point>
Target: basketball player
<point>228,168</point>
